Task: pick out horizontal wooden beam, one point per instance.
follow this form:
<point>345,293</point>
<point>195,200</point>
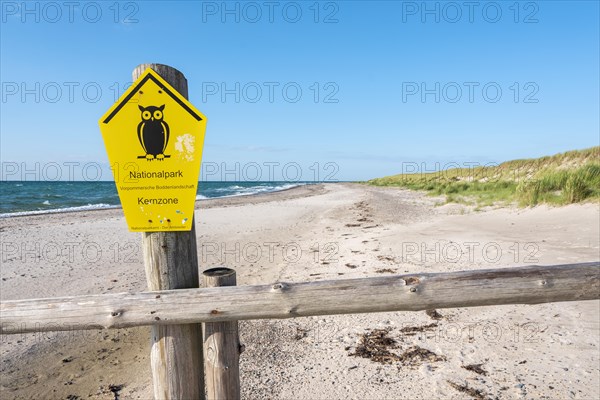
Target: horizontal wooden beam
<point>411,292</point>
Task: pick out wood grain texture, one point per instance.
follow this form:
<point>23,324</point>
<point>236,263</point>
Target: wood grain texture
<point>174,77</point>
<point>221,346</point>
<point>411,292</point>
<point>171,262</point>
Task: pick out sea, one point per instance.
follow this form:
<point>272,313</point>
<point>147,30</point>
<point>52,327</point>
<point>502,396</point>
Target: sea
<point>35,197</point>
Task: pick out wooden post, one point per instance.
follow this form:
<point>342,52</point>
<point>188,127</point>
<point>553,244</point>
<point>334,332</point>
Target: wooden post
<point>171,262</point>
<point>221,346</point>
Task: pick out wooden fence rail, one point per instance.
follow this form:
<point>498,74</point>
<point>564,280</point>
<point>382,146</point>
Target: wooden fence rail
<point>411,292</point>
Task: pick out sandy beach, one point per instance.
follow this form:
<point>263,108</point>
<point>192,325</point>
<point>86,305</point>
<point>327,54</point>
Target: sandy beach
<point>318,232</point>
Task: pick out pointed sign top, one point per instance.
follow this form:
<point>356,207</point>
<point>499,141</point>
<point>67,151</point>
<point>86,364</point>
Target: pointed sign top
<point>149,74</point>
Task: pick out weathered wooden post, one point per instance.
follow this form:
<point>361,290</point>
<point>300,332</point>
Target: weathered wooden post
<point>221,346</point>
<point>171,262</point>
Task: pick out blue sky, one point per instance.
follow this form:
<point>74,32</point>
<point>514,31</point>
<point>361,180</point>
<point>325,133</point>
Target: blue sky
<point>351,89</point>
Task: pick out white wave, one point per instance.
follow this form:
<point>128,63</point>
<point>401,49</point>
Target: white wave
<point>248,191</point>
<point>59,210</point>
<point>252,190</point>
<point>46,203</point>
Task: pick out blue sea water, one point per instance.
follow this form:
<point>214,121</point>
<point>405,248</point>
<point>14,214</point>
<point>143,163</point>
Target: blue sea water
<point>29,198</point>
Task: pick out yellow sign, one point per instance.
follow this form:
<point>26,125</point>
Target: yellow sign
<point>154,138</point>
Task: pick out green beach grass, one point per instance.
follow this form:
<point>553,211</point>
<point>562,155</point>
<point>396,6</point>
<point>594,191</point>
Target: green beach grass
<point>564,178</point>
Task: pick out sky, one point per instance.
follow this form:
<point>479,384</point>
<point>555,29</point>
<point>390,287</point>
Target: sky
<point>331,90</point>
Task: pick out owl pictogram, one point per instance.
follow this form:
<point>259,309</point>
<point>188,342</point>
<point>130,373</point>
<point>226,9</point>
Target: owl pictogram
<point>153,133</point>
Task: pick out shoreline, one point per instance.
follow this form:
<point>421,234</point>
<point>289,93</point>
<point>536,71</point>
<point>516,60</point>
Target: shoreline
<point>76,209</point>
<point>199,204</point>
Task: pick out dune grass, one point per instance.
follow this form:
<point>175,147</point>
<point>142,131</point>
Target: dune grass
<point>565,178</point>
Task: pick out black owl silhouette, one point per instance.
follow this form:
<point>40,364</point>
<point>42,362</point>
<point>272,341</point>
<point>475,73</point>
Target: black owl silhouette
<point>153,133</point>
